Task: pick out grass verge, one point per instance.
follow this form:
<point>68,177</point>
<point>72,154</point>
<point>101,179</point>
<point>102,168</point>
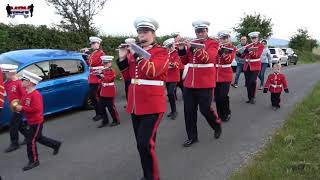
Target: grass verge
<point>308,57</point>
<point>294,151</point>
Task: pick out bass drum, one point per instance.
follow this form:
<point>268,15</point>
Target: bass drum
<point>185,71</point>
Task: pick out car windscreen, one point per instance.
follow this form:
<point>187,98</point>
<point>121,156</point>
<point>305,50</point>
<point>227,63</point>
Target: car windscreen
<point>284,50</point>
<point>272,51</point>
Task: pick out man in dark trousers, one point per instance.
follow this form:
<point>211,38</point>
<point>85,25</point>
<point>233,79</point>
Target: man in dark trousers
<point>226,54</point>
<point>94,62</point>
<point>14,91</point>
<point>177,38</point>
<point>252,65</point>
<point>173,76</point>
<point>1,91</point>
<point>146,100</point>
<point>199,81</point>
<point>32,107</point>
<point>107,93</point>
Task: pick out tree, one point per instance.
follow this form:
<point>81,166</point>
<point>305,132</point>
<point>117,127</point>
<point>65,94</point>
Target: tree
<point>77,15</point>
<point>302,41</point>
<point>255,22</point>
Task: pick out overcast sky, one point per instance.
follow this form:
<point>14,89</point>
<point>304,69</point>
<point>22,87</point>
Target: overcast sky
<point>177,15</point>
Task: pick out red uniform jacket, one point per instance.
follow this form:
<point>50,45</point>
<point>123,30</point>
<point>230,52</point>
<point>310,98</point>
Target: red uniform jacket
<point>252,59</point>
<point>125,74</point>
<point>174,67</point>
<point>276,83</point>
<point>146,99</point>
<point>32,106</point>
<point>201,77</point>
<point>108,88</point>
<point>14,90</point>
<point>1,90</point>
<point>93,62</point>
<point>224,69</point>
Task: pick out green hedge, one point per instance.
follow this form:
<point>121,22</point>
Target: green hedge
<point>13,37</point>
<point>306,57</point>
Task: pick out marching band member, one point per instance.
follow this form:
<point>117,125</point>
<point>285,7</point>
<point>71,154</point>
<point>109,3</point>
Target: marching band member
<point>226,55</point>
<point>107,93</point>
<point>146,100</point>
<point>14,91</point>
<point>94,62</point>
<point>32,107</point>
<point>252,65</point>
<point>173,76</point>
<point>199,82</point>
<point>1,90</point>
<point>126,78</point>
<point>275,83</point>
<point>177,38</point>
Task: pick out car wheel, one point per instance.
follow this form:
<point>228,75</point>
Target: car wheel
<point>87,104</point>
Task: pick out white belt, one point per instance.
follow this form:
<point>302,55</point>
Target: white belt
<point>107,84</point>
<point>97,67</point>
<point>201,65</point>
<point>276,86</point>
<point>252,60</point>
<point>147,82</point>
<point>223,65</point>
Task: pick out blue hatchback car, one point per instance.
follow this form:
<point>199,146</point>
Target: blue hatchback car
<point>64,75</point>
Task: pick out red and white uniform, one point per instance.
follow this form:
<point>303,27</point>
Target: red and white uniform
<point>146,91</point>
<point>108,88</point>
<point>224,69</point>
<point>94,62</point>
<point>202,71</point>
<point>252,59</point>
<point>14,90</point>
<point>174,67</point>
<point>276,83</point>
<point>1,90</point>
<point>32,106</point>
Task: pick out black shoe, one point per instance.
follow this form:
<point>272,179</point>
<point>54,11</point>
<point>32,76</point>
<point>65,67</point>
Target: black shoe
<point>114,124</point>
<point>102,125</point>
<point>189,142</point>
<point>248,101</point>
<point>24,142</point>
<point>56,150</point>
<point>217,132</point>
<point>31,165</point>
<point>97,118</point>
<point>143,178</point>
<point>12,147</point>
<point>174,115</point>
<point>227,118</point>
<point>169,115</point>
<point>234,85</point>
<point>252,101</point>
